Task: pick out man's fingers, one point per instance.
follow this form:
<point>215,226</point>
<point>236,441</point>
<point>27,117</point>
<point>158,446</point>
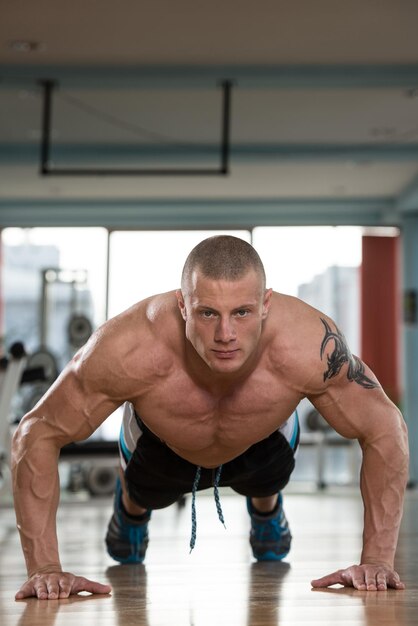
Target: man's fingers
<point>362,577</point>
<point>53,589</point>
<point>350,577</point>
<point>84,584</point>
<point>381,581</point>
<point>394,581</point>
<point>370,579</point>
<point>331,579</point>
<point>398,585</point>
<point>41,590</point>
<point>59,585</point>
<point>65,588</point>
<point>380,578</point>
<point>26,591</point>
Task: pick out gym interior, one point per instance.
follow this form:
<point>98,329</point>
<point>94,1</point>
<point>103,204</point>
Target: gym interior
<point>129,133</point>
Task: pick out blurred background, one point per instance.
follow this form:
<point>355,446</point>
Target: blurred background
<point>131,131</point>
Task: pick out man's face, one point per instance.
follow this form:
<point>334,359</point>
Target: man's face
<point>224,318</point>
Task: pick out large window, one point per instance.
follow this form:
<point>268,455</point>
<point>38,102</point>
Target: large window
<point>48,276</point>
<point>143,263</point>
<point>320,265</point>
<point>294,255</point>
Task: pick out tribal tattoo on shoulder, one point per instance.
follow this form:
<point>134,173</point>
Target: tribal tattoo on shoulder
<point>340,355</point>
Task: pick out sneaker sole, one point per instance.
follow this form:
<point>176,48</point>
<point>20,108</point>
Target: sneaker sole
<point>271,556</point>
<point>130,560</point>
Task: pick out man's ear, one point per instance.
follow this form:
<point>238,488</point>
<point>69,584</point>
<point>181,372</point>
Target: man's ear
<point>266,303</point>
<point>181,304</point>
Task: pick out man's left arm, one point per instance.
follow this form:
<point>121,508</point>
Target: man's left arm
<point>356,406</point>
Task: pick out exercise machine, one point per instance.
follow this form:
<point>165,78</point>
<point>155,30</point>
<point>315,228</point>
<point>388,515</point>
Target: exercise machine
<point>11,370</point>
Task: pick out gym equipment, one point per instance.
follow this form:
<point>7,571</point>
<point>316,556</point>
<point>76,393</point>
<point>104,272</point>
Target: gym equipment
<point>316,423</point>
<point>11,369</point>
<point>43,360</point>
<point>79,327</point>
<point>96,461</point>
<point>79,330</point>
<point>94,465</point>
<point>41,371</point>
<point>320,435</point>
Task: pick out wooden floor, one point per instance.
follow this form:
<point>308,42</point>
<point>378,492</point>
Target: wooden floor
<point>218,584</point>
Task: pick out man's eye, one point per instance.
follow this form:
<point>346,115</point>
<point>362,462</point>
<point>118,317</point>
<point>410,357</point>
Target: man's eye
<point>207,314</point>
<point>242,312</point>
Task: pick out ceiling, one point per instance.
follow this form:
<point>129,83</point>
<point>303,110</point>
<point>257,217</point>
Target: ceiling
<point>323,119</point>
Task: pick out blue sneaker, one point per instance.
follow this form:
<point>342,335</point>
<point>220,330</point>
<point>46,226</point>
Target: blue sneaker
<point>270,537</point>
<point>126,539</point>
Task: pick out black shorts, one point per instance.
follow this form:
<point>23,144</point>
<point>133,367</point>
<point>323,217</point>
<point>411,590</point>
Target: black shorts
<point>157,477</point>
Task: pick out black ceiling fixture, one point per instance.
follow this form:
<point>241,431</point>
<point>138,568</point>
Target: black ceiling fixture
<point>45,149</point>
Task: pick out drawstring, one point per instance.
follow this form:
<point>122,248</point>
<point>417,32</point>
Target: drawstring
<point>216,493</point>
<point>217,502</point>
<point>194,522</point>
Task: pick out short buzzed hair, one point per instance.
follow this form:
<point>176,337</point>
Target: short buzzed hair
<point>222,257</point>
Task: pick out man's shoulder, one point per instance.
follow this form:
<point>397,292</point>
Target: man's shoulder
<point>138,339</point>
<point>297,333</point>
<point>289,312</point>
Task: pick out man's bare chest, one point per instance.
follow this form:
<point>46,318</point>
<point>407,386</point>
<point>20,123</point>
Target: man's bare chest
<point>187,416</point>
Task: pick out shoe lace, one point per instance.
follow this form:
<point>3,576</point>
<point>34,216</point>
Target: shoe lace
<point>217,502</point>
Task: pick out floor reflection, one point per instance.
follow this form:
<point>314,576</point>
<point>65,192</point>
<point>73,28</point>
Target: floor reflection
<point>265,585</point>
<point>380,607</point>
<point>45,612</point>
<point>217,584</point>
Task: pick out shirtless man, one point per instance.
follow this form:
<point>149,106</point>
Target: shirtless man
<point>210,376</point>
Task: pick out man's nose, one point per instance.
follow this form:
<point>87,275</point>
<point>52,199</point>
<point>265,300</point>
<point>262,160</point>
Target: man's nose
<point>225,330</point>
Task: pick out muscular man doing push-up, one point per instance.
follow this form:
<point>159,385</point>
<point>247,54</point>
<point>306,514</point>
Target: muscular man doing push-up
<point>210,377</point>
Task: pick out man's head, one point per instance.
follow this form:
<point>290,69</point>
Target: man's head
<point>222,257</point>
<point>223,301</point>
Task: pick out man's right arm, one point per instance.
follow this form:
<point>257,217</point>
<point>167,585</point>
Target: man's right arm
<point>70,411</point>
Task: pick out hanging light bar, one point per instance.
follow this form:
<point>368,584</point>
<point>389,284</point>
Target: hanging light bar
<point>45,149</point>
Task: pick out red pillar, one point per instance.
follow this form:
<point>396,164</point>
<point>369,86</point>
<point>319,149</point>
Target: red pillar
<point>380,311</point>
<point>1,297</point>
